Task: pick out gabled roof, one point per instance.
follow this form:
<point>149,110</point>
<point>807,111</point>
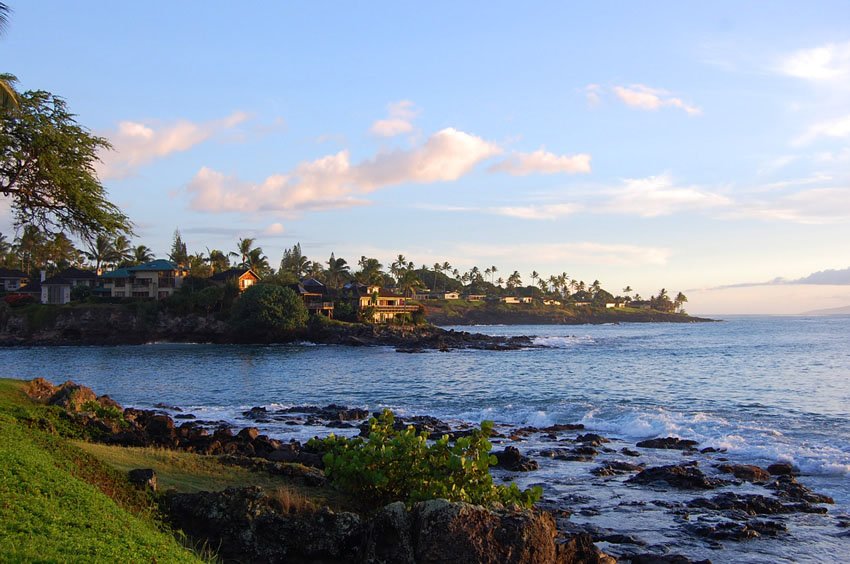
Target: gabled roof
<point>12,273</point>
<point>70,275</point>
<point>311,282</point>
<point>117,273</point>
<point>232,273</point>
<point>158,265</point>
<point>301,290</point>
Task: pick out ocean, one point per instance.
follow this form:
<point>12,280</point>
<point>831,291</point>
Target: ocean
<point>759,389</point>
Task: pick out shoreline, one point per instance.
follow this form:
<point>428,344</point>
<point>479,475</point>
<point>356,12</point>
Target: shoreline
<point>749,502</point>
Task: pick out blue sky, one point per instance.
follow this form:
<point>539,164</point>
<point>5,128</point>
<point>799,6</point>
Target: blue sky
<point>667,144</point>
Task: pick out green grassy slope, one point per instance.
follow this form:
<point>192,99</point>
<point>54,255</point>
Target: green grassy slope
<point>54,505</point>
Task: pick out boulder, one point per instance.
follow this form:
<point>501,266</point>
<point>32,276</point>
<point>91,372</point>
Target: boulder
<point>592,439</point>
<point>248,433</point>
<point>143,477</point>
<point>746,472</point>
<point>732,530</point>
<point>670,443</point>
<point>680,476</point>
<point>787,487</point>
<point>615,468</point>
<point>40,389</point>
<point>782,469</point>
<point>511,459</point>
<point>72,397</point>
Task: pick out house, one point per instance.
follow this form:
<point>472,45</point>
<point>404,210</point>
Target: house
<point>315,286</point>
<point>610,305</point>
<point>525,300</point>
<point>313,301</point>
<point>12,279</point>
<point>449,295</point>
<point>157,279</point>
<point>116,284</point>
<point>509,300</point>
<point>384,306</point>
<point>475,297</point>
<point>423,294</point>
<point>56,290</point>
<point>582,304</point>
<point>550,302</point>
<point>244,277</point>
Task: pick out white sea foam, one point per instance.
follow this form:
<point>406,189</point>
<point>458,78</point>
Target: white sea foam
<point>563,341</point>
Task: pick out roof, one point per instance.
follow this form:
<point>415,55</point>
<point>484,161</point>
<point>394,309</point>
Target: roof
<point>232,273</point>
<point>117,273</point>
<point>69,276</point>
<point>307,282</point>
<point>301,290</point>
<point>158,265</point>
<point>12,273</point>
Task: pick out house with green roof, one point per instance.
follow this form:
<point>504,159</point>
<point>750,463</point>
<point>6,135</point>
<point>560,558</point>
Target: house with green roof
<point>157,279</point>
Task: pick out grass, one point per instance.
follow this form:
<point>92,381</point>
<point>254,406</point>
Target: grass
<point>58,503</point>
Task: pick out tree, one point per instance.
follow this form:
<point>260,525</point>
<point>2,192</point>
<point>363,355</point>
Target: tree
<point>534,277</point>
<point>337,269</point>
<point>123,250</point>
<point>142,254</point>
<point>101,251</point>
<point>514,280</point>
<point>8,96</point>
<point>679,301</point>
<point>294,261</point>
<point>370,271</point>
<point>47,170</point>
<point>268,311</point>
<point>197,265</point>
<point>243,249</point>
<point>218,260</point>
<point>409,282</point>
<point>178,253</point>
<point>258,262</point>
<point>5,249</point>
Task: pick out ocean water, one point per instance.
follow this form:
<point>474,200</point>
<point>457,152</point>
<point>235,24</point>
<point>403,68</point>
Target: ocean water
<point>762,389</point>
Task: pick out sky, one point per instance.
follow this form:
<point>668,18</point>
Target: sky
<point>702,148</point>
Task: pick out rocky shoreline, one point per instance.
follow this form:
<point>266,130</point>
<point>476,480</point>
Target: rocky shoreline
<point>110,326</point>
<point>716,500</point>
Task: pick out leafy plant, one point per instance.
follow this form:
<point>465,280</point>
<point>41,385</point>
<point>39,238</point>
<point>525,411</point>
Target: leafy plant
<point>400,465</point>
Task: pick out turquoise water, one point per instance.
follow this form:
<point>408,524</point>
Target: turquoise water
<point>762,388</point>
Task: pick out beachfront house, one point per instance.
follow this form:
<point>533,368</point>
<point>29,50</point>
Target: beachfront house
<point>509,300</point>
<point>526,300</point>
<point>550,302</point>
<point>379,304</point>
<point>157,279</point>
<point>12,279</point>
<point>244,278</point>
<point>314,301</point>
<point>56,290</point>
<point>475,297</point>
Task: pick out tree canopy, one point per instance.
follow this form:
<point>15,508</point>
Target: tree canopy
<point>47,169</point>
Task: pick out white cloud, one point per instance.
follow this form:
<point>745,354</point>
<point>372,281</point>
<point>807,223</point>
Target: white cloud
<point>543,162</point>
<point>553,211</point>
<point>332,181</point>
<point>400,120</point>
<point>644,97</point>
<point>658,195</point>
<point>274,229</point>
<point>824,63</point>
<point>593,93</point>
<point>136,144</point>
<point>814,207</point>
<point>835,128</point>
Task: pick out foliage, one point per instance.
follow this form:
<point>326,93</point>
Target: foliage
<point>18,300</point>
<point>268,310</point>
<point>106,412</point>
<point>80,293</point>
<point>400,465</point>
<point>47,169</point>
<point>178,255</point>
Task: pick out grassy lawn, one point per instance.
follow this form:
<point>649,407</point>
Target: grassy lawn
<point>60,504</point>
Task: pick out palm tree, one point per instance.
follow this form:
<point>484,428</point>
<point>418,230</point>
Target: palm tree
<point>493,271</point>
<point>437,268</point>
<point>679,301</point>
<point>5,247</point>
<point>500,281</point>
<point>409,282</point>
<point>243,249</point>
<point>514,280</point>
<point>123,250</point>
<point>142,254</point>
<point>257,261</point>
<point>218,260</point>
<point>534,277</point>
<point>337,268</point>
<point>101,251</point>
<point>628,290</point>
<point>8,96</point>
<point>398,267</point>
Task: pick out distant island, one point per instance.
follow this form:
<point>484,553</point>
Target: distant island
<point>831,311</point>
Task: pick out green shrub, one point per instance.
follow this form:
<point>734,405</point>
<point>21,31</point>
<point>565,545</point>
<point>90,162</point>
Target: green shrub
<point>106,412</point>
<point>399,465</point>
<point>268,310</point>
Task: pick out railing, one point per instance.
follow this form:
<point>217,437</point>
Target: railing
<point>320,305</point>
<point>396,308</point>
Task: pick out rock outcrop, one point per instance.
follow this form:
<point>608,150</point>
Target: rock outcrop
<point>246,525</point>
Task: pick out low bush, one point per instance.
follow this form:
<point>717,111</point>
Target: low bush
<point>400,465</point>
<point>18,300</point>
